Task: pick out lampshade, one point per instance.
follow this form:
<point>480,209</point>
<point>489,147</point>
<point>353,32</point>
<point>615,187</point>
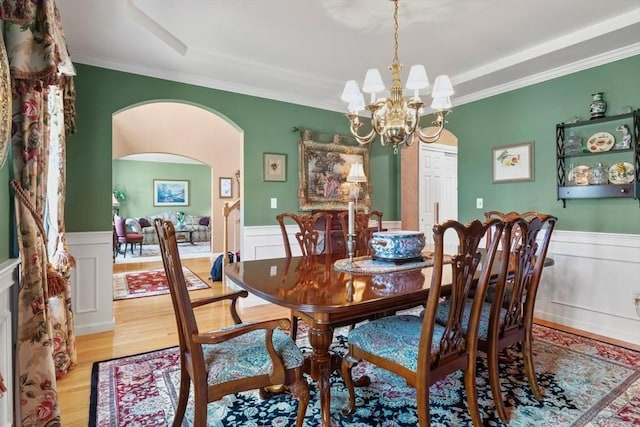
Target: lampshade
<point>442,87</point>
<point>417,78</point>
<point>356,173</point>
<point>114,202</point>
<point>372,81</point>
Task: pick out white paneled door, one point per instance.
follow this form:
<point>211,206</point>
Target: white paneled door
<point>438,186</point>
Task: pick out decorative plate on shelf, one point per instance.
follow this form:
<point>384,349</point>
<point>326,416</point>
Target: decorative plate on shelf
<point>580,175</point>
<point>601,141</point>
<point>621,173</point>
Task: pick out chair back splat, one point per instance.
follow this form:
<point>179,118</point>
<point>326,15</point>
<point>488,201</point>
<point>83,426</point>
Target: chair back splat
<point>231,360</point>
<point>416,347</point>
<point>311,240</point>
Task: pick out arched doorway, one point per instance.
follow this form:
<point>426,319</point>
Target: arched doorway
<point>189,130</point>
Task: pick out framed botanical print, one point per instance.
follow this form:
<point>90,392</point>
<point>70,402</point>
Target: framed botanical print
<point>275,167</point>
<point>513,163</point>
<point>226,188</point>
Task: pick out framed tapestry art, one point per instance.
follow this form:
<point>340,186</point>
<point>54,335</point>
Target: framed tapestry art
<point>513,163</point>
<point>170,192</point>
<point>323,170</point>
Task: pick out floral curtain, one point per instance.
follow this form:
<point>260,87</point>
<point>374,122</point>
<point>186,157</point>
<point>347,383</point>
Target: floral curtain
<point>39,62</point>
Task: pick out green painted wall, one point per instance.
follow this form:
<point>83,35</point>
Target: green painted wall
<point>530,114</point>
<point>266,125</point>
<point>135,178</point>
<point>5,212</point>
<point>527,114</point>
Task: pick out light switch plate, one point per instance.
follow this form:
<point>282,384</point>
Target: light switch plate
<point>274,203</point>
<point>479,203</point>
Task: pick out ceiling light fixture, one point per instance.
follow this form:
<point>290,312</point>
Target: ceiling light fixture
<point>397,119</point>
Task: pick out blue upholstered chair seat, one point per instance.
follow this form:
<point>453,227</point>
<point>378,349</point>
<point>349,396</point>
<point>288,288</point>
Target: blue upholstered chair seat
<point>395,338</point>
<point>483,327</point>
<point>246,356</point>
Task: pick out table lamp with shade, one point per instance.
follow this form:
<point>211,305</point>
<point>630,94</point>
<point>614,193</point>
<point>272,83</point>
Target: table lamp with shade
<point>357,176</point>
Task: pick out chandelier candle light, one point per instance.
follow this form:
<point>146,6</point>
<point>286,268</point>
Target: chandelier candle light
<point>397,119</point>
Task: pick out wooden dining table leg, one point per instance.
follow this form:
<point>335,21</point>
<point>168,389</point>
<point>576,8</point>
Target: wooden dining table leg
<point>321,365</point>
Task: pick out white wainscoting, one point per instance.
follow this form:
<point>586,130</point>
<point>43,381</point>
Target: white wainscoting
<point>592,284</point>
<point>264,242</point>
<point>590,287</point>
<point>91,281</point>
<point>9,283</point>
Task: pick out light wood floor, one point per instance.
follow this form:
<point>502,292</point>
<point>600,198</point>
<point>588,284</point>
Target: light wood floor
<point>144,324</point>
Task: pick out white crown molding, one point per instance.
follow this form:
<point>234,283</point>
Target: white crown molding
<point>338,106</point>
<point>594,61</point>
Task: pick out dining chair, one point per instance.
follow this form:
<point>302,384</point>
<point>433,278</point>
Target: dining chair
<point>313,234</point>
<point>363,232</point>
<point>127,237</point>
<point>230,360</point>
<point>511,312</point>
<point>416,347</point>
<point>507,318</point>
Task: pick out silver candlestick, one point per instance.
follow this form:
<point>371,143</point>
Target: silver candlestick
<point>351,247</point>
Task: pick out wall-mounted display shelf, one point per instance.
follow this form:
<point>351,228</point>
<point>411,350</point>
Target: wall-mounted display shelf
<point>599,158</point>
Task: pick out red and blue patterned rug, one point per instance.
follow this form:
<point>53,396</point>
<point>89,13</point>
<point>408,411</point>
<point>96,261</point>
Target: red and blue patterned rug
<point>585,382</point>
<point>148,283</point>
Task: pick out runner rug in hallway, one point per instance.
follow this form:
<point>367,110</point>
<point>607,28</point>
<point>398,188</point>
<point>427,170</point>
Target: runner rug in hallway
<point>147,283</point>
<point>585,383</point>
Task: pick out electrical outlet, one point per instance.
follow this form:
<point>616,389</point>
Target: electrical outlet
<point>479,203</point>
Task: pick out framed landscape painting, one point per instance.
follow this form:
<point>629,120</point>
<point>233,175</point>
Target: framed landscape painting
<point>170,192</point>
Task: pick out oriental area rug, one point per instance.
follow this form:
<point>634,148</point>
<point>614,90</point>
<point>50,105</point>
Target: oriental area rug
<point>147,283</point>
<point>585,382</point>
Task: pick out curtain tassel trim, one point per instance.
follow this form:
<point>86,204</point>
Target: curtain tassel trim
<point>56,283</point>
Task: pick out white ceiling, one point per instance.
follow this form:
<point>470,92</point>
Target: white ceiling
<point>302,51</point>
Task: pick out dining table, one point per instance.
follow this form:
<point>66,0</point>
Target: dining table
<point>326,298</point>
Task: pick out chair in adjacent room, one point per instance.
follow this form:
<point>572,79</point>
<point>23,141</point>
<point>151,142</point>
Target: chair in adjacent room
<point>127,237</point>
<point>313,236</point>
<point>232,359</point>
<point>363,231</point>
<point>416,347</point>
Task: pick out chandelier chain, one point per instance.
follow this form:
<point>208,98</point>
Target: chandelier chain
<point>395,31</point>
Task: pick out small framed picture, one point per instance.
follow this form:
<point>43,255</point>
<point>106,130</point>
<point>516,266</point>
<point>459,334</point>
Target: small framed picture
<point>513,163</point>
<point>226,188</point>
<point>275,167</point>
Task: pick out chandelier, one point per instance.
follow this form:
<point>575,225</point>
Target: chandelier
<point>396,118</point>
